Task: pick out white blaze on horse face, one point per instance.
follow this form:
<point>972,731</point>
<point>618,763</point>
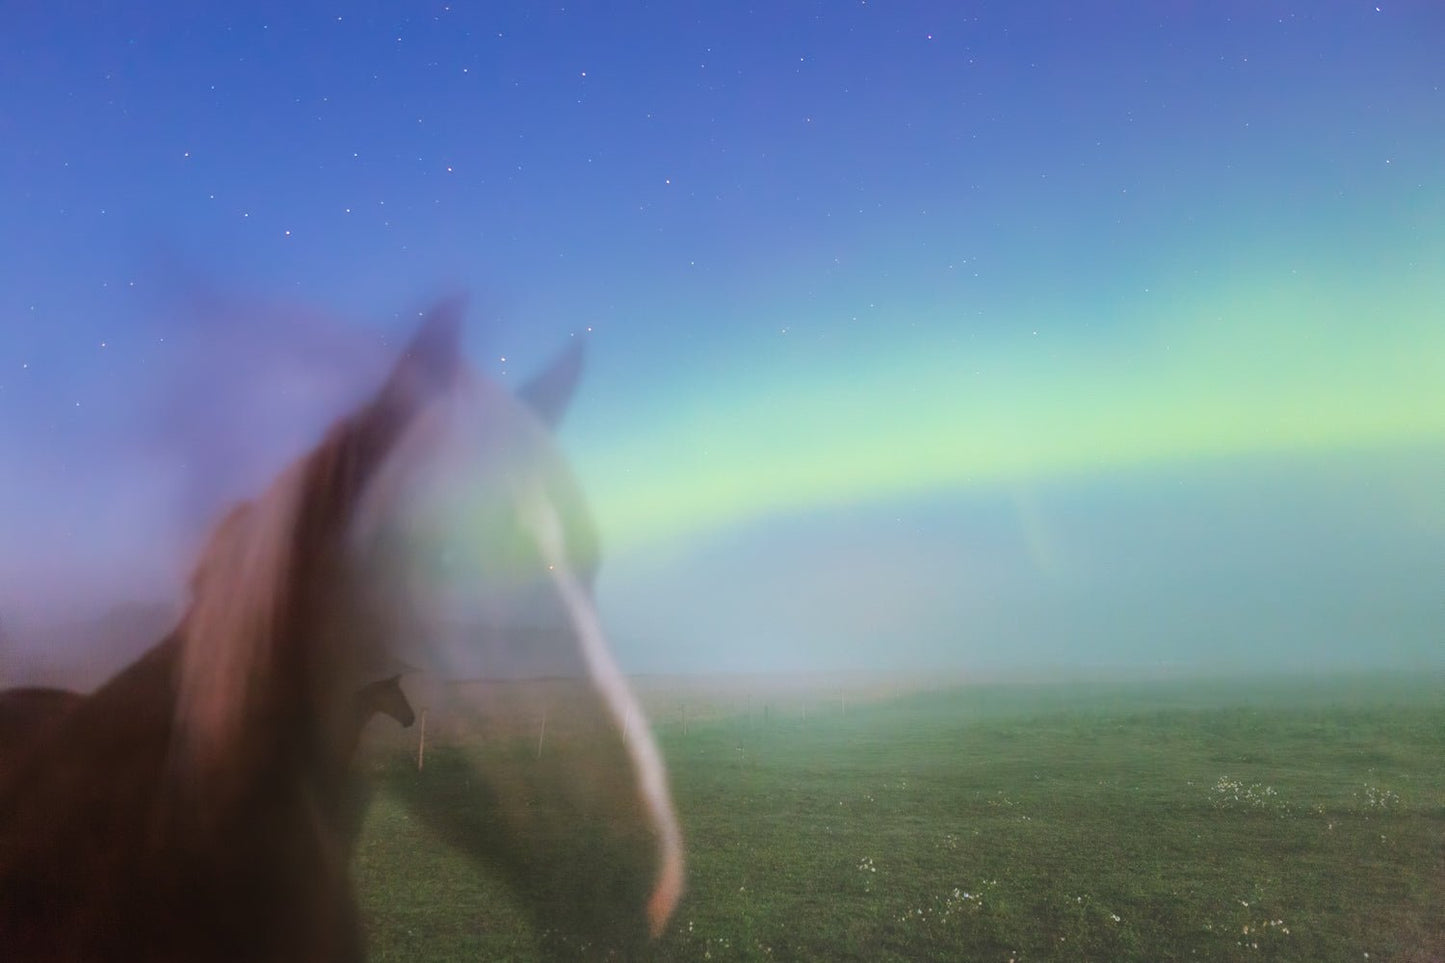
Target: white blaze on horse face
<point>462,531</point>
<point>608,678</point>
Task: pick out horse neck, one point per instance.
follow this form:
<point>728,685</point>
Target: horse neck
<point>362,710</point>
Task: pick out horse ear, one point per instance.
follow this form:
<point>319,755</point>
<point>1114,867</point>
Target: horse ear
<point>429,366</point>
<point>432,358</point>
<point>549,393</point>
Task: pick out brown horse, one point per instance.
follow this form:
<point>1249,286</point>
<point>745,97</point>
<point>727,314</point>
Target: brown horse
<point>26,708</point>
<point>25,712</point>
<point>195,806</point>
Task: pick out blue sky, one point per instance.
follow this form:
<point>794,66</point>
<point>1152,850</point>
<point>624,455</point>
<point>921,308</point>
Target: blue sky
<point>981,335</point>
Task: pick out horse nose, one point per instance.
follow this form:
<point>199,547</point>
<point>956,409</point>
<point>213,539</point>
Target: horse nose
<point>620,706</point>
<point>667,891</point>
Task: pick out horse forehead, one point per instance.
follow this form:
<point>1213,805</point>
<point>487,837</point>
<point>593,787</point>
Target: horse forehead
<point>478,446</point>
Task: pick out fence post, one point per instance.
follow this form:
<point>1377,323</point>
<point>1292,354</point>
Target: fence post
<point>421,743</point>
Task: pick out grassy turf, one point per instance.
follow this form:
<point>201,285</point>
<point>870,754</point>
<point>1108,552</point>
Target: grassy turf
<point>1220,821</point>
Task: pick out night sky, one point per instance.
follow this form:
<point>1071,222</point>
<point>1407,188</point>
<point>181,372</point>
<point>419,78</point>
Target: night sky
<point>981,336</point>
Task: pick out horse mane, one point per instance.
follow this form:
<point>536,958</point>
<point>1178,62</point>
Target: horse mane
<point>239,589</point>
<point>267,555</point>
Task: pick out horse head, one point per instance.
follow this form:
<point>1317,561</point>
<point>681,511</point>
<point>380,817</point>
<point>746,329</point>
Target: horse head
<point>480,554</point>
<point>439,526</point>
<point>384,697</point>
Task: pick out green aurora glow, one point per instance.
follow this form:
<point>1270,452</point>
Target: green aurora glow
<point>1310,367</point>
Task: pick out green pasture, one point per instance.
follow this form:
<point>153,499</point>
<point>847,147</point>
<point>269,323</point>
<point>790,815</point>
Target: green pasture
<point>1270,820</point>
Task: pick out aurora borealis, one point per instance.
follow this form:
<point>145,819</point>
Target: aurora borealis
<point>1290,372</point>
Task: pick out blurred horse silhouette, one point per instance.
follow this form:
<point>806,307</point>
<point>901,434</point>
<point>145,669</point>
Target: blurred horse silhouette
<point>383,697</point>
<point>25,712</point>
<point>197,805</point>
<point>25,709</point>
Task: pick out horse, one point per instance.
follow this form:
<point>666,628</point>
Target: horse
<point>195,805</point>
<point>27,710</point>
<point>383,697</point>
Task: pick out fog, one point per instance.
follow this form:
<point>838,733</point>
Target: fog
<point>1258,564</point>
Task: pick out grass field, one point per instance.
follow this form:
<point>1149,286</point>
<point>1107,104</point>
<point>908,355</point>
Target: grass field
<point>1225,820</point>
